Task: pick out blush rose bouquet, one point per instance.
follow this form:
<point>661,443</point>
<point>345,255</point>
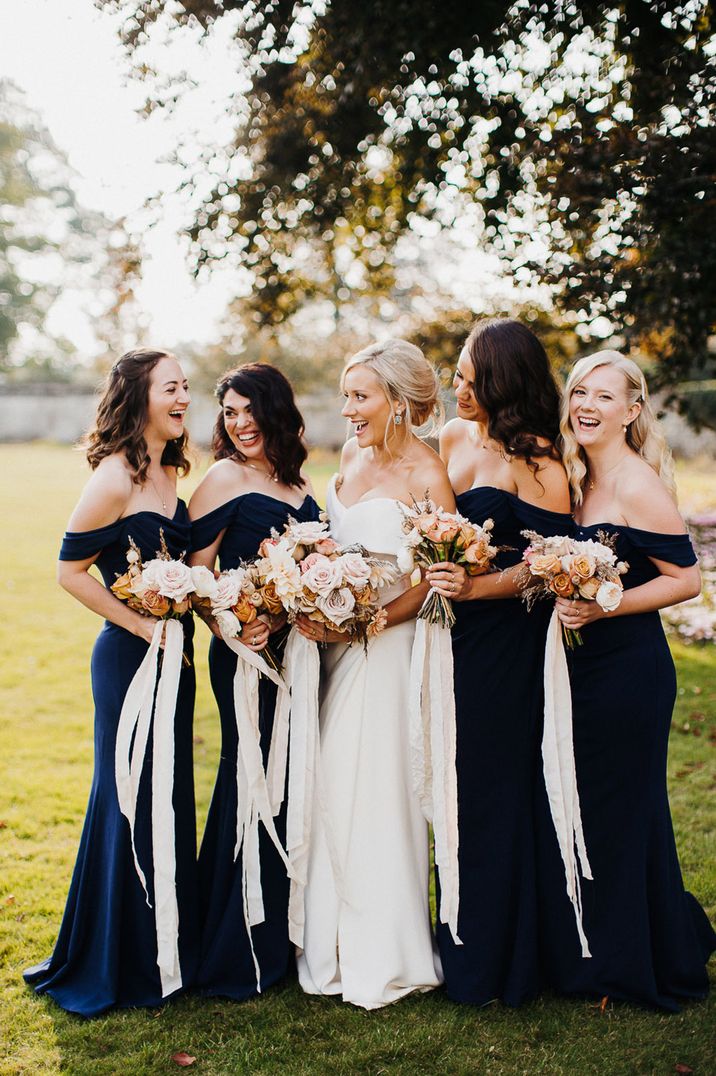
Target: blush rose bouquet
<point>433,536</point>
<point>563,567</point>
<point>307,572</point>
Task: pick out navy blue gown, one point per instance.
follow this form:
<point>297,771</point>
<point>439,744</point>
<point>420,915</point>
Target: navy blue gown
<point>498,650</point>
<point>226,966</point>
<point>649,938</point>
<point>106,951</point>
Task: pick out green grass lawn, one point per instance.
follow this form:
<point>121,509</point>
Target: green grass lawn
<point>46,753</point>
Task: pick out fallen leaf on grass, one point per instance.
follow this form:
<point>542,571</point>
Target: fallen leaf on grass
<point>183,1060</point>
<point>10,899</point>
<point>690,767</point>
<point>683,1069</point>
<point>3,825</point>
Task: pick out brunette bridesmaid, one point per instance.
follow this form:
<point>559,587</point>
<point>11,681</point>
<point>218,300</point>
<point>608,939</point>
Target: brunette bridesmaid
<point>255,485</point>
<point>503,464</point>
<point>107,950</point>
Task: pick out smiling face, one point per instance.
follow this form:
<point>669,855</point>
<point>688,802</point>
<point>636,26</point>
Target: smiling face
<point>241,426</point>
<point>367,406</point>
<point>167,400</point>
<point>598,409</point>
<point>463,383</point>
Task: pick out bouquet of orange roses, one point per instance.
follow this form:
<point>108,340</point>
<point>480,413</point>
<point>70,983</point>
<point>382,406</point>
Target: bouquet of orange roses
<point>564,567</point>
<point>433,536</point>
<point>237,596</point>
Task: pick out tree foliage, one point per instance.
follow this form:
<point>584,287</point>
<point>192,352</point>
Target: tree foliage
<point>576,137</point>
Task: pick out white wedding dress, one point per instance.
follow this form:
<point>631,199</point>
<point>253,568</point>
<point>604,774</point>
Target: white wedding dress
<point>367,931</point>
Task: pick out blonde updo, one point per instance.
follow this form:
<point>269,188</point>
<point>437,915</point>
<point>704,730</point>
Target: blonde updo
<point>642,434</point>
<point>407,378</point>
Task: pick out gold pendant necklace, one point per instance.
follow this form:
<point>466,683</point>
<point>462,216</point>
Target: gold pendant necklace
<point>163,502</point>
<point>259,470</point>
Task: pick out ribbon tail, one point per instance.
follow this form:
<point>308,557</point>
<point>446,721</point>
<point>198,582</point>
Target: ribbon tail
<point>132,738</point>
<point>443,739</point>
<point>303,762</point>
<point>560,776</point>
<point>419,720</point>
<point>163,825</point>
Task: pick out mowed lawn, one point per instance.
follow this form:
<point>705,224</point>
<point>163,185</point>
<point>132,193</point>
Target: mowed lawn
<point>46,764</point>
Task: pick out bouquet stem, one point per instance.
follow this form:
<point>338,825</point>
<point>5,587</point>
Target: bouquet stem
<point>437,610</point>
<point>572,638</point>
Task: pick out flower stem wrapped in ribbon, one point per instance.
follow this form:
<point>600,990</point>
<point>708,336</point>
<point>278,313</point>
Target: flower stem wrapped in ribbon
<point>433,536</point>
<point>560,566</point>
<point>160,588</point>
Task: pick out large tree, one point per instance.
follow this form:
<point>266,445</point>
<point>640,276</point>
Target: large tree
<point>576,138</point>
<point>52,251</point>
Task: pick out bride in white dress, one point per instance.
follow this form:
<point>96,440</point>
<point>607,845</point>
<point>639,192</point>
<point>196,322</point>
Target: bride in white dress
<point>368,934</point>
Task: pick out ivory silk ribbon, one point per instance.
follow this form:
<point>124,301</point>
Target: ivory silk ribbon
<point>432,752</point>
<point>135,721</point>
<point>295,743</point>
<point>253,799</point>
<point>560,776</point>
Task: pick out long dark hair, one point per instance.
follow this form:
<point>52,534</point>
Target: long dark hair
<point>122,415</point>
<point>274,410</point>
<point>515,385</point>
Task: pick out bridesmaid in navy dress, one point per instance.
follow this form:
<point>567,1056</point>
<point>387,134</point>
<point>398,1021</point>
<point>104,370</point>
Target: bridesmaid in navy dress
<point>503,465</point>
<point>256,484</point>
<point>106,952</point>
<point>649,938</point>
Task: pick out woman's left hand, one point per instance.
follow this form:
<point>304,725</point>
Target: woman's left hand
<point>449,580</point>
<point>575,614</point>
<point>317,632</point>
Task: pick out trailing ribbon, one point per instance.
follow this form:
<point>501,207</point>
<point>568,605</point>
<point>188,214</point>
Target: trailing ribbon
<point>295,743</point>
<point>560,776</point>
<point>130,750</point>
<point>253,800</point>
<point>432,750</point>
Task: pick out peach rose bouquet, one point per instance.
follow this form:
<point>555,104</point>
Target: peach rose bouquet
<point>563,567</point>
<point>433,536</point>
<point>162,587</point>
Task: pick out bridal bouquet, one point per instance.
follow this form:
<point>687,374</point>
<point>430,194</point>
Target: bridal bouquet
<point>568,568</point>
<point>307,572</point>
<point>433,536</point>
<point>161,587</point>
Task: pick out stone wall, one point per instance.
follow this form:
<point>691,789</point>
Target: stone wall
<point>62,413</point>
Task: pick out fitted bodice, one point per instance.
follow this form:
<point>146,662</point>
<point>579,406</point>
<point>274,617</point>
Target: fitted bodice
<point>112,541</point>
<point>246,521</point>
<point>376,524</point>
<point>511,515</point>
<point>636,547</point>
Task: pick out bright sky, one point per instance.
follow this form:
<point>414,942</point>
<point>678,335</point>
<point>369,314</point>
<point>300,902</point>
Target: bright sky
<point>66,56</point>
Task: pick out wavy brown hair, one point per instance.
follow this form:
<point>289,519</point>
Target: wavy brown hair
<point>515,385</point>
<point>122,415</point>
<point>274,409</point>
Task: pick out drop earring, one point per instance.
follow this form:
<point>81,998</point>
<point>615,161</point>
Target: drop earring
<point>398,418</point>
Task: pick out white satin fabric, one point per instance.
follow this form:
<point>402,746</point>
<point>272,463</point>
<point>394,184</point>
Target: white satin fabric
<point>367,933</point>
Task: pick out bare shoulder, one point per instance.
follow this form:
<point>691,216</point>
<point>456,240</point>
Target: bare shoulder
<point>427,471</point>
<point>106,495</point>
<point>454,433</point>
<point>222,481</point>
<point>646,503</point>
<point>350,454</point>
<point>546,488</point>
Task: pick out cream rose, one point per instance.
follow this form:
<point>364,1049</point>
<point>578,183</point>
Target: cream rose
<point>355,569</point>
<point>337,606</point>
<point>544,564</point>
<point>204,581</point>
<point>322,575</point>
<point>171,578</point>
<point>589,588</point>
<point>609,596</point>
<point>227,589</point>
